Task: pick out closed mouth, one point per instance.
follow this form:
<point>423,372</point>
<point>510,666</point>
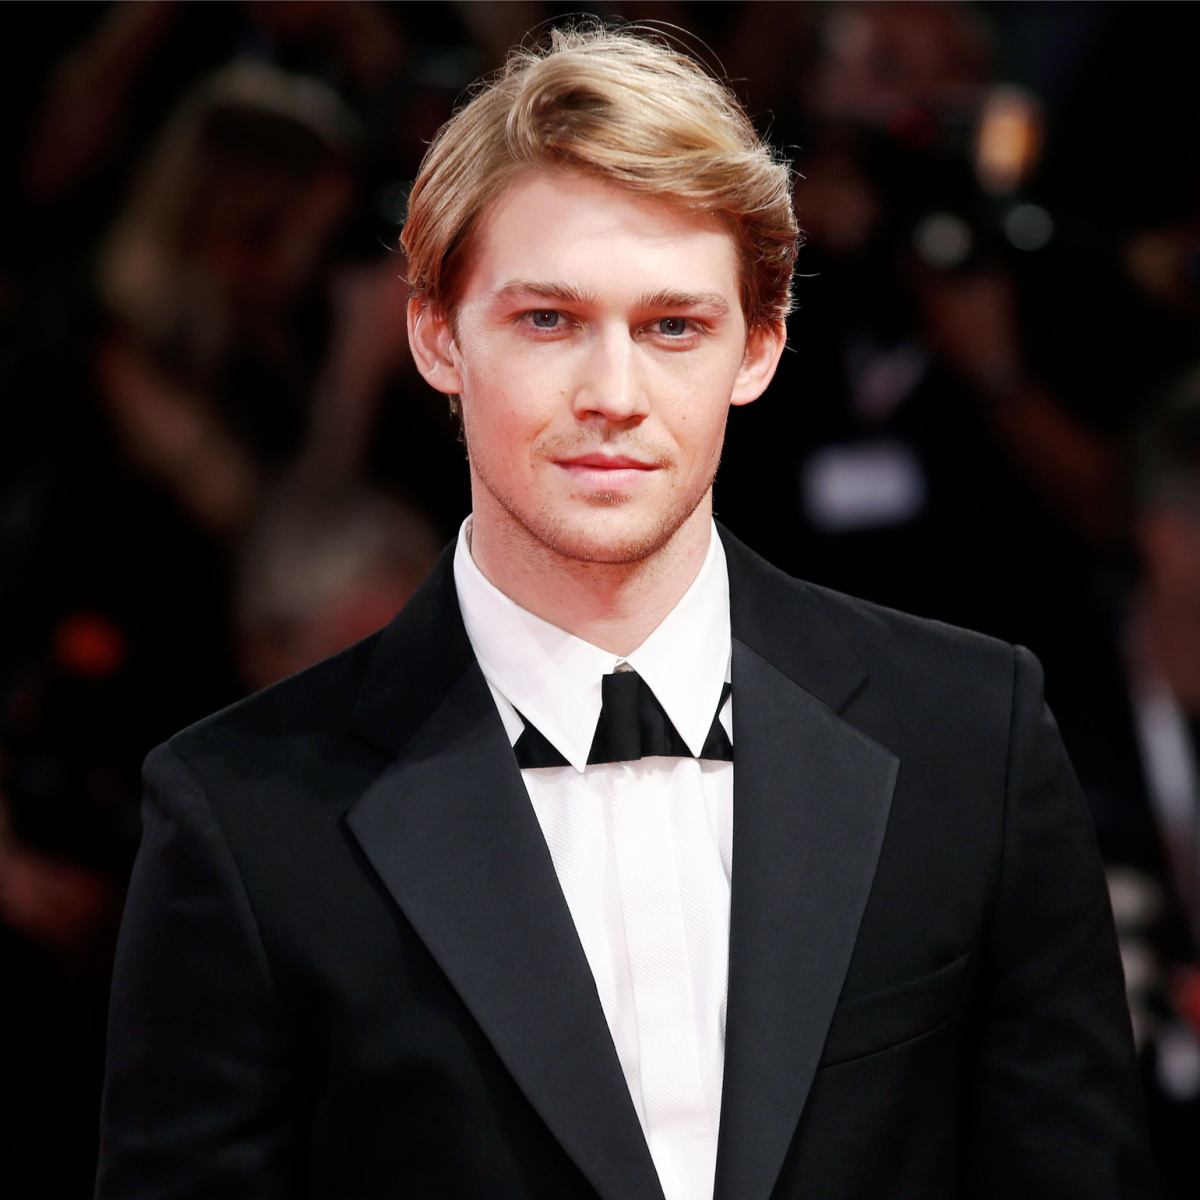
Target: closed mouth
<point>607,462</point>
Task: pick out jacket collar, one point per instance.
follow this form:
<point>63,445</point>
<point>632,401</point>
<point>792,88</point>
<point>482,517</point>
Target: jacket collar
<point>553,678</point>
<point>787,622</point>
<point>416,661</point>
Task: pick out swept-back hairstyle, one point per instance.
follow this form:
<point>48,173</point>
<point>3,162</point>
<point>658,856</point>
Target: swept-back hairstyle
<point>623,106</point>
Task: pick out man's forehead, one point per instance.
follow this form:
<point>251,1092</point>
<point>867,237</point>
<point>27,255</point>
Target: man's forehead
<point>554,235</point>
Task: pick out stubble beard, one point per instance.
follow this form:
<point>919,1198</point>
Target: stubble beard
<point>572,540</point>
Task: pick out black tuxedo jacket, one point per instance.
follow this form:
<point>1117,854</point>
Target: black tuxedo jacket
<point>347,969</point>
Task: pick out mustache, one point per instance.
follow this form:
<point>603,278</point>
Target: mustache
<point>575,443</point>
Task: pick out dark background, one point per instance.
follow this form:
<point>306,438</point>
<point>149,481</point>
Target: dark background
<point>217,463</point>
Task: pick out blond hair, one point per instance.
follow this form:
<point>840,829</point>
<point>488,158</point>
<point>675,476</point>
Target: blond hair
<point>623,106</point>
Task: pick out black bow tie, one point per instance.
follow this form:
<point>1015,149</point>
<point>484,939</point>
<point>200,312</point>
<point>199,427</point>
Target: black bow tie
<point>632,725</point>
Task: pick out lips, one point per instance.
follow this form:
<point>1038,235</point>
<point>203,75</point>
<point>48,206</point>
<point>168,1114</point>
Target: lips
<point>607,462</point>
<point>606,472</point>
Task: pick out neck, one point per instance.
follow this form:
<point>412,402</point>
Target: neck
<point>615,606</point>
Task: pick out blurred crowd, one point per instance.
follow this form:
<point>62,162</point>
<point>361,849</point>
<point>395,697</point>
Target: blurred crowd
<point>217,464</point>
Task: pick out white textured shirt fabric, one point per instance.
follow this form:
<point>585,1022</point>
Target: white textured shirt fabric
<point>642,850</point>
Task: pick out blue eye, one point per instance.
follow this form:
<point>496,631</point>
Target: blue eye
<point>544,318</point>
<point>673,326</point>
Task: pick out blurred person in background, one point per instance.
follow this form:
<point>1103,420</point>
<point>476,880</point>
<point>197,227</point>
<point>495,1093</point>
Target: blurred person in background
<point>1141,773</point>
<point>147,446</point>
<point>322,569</point>
<point>926,455</point>
<point>121,66</point>
<point>165,423</point>
<point>933,436</point>
<point>211,283</point>
<point>87,87</point>
<point>396,68</point>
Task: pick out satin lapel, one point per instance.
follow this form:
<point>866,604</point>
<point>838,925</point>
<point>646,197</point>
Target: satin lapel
<point>450,830</point>
<point>811,801</point>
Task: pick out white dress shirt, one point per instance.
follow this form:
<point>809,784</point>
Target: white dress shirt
<point>642,850</point>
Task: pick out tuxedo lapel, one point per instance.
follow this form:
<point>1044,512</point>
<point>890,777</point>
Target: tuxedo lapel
<point>451,832</point>
<point>811,801</point>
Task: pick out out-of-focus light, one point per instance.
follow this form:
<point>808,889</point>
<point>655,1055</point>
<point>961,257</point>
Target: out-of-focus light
<point>1178,1065</point>
<point>943,240</point>
<point>90,644</point>
<point>1137,899</point>
<point>1028,226</point>
<point>1009,139</point>
<point>859,486</point>
<point>912,126</point>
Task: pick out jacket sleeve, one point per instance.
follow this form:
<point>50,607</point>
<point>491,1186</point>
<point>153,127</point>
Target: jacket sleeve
<point>1053,1105</point>
<point>197,1083</point>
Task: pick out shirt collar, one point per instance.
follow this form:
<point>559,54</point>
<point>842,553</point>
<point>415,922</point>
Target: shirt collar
<point>553,678</point>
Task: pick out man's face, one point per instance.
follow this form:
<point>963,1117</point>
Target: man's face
<point>597,346</point>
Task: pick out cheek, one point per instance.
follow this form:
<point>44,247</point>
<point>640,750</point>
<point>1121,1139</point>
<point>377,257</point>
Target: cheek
<point>694,394</point>
<point>697,420</point>
<point>500,423</point>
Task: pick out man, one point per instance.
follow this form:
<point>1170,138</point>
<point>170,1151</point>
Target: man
<point>619,864</point>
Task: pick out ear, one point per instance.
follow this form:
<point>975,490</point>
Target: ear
<point>763,348</point>
<point>431,340</point>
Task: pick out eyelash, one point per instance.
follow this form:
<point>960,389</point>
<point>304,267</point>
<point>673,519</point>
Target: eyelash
<point>527,318</point>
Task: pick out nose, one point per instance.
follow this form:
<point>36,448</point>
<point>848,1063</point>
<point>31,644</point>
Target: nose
<point>611,386</point>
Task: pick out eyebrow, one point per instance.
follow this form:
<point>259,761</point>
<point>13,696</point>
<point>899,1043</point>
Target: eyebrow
<point>666,298</point>
<point>566,293</point>
<point>557,292</point>
<point>563,293</point>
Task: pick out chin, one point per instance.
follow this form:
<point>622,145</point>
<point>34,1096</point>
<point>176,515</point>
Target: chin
<point>612,535</point>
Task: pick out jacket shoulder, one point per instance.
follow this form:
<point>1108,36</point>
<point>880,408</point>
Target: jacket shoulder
<point>883,633</point>
<point>314,705</point>
<point>826,640</point>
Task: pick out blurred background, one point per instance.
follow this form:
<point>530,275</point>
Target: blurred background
<point>218,465</point>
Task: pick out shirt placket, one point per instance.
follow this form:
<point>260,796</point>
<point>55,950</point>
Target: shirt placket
<point>673,1092</point>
